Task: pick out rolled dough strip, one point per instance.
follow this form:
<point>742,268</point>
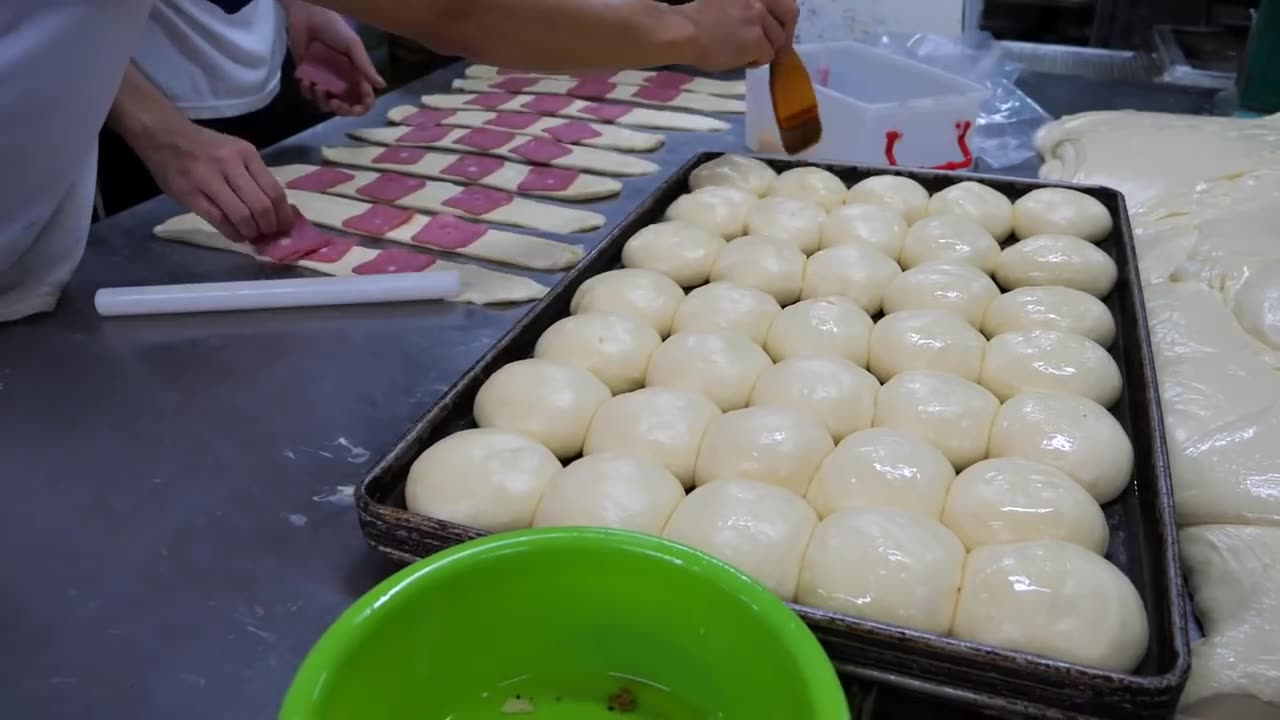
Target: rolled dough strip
<point>435,196</point>
<point>562,106</point>
<point>598,90</point>
<point>509,146</point>
<point>575,132</point>
<point>647,78</point>
<point>483,170</point>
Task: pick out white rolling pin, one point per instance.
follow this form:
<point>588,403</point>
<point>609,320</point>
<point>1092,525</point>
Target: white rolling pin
<point>266,294</point>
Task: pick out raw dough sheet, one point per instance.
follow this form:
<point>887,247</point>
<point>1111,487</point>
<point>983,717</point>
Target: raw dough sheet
<point>579,132</point>
<point>648,78</point>
<point>596,90</point>
<point>563,106</point>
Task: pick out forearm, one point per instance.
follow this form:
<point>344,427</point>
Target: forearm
<point>141,112</point>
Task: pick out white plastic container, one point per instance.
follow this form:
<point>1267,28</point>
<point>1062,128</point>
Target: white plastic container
<point>876,108</point>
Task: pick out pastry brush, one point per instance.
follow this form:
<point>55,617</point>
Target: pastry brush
<point>795,106</point>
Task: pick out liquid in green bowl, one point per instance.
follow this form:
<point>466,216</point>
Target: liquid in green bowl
<point>599,696</point>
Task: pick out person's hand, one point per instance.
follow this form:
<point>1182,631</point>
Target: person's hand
<point>308,24</point>
<point>730,34</point>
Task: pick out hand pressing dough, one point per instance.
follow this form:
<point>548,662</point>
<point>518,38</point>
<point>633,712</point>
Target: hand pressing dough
<point>642,294</point>
<point>1010,500</point>
<point>721,210</point>
<point>1057,260</point>
<point>1051,308</point>
<point>614,348</point>
<point>799,222</point>
<point>580,109</point>
<point>950,239</point>
<point>812,184</point>
<point>901,194</point>
<point>952,413</point>
<point>853,271</point>
<point>884,565</point>
<point>926,340</point>
<point>682,251</point>
<point>1059,211</point>
<point>486,479</point>
<point>881,467</point>
<point>610,491</point>
<point>831,326</point>
<point>762,530</point>
<point>725,307</point>
<point>774,445</point>
<point>1054,599</point>
<point>736,171</point>
<point>550,402</point>
<point>877,227</point>
<point>722,366</point>
<point>661,424</point>
<point>984,205</point>
<point>839,393</point>
<point>1073,434</point>
<point>767,264</point>
<point>1051,361</point>
<point>962,289</point>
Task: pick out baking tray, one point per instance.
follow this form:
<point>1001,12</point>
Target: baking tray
<point>1002,682</point>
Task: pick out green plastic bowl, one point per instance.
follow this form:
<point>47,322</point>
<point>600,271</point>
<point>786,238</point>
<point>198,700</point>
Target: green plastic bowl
<point>567,618</point>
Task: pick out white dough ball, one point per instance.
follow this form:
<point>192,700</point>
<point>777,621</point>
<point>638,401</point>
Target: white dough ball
<point>642,294</point>
<point>774,445</point>
<point>872,225</point>
<point>762,530</point>
<point>1009,500</point>
<point>926,340</point>
<point>764,263</point>
<point>1051,308</point>
<point>614,348</point>
<point>950,412</point>
<point>950,239</point>
<point>853,271</point>
<point>660,424</point>
<point>1051,361</point>
<point>735,171</point>
<point>1054,599</point>
<point>902,194</point>
<point>722,366</point>
<point>550,402</point>
<point>1057,260</point>
<point>1073,434</point>
<point>486,479</point>
<point>884,565</point>
<point>984,205</point>
<point>798,222</point>
<point>839,393</point>
<point>1060,211</point>
<point>726,307</point>
<point>610,491</point>
<point>812,184</point>
<point>881,467</point>
<point>681,251</point>
<point>721,210</point>
<point>833,326</point>
<point>962,289</point>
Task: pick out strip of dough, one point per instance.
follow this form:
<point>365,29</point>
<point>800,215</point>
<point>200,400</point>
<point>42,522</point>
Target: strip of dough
<point>605,162</point>
<point>431,198</point>
<point>609,91</point>
<point>610,137</point>
<point>508,177</point>
<point>622,114</point>
<point>650,78</point>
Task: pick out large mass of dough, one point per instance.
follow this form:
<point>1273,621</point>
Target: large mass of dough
<point>721,210</point>
<point>950,412</point>
<point>1256,305</point>
<point>768,264</point>
<point>722,366</point>
<point>770,444</point>
<point>949,239</point>
<point>550,402</point>
<point>901,194</point>
<point>681,251</point>
<point>984,205</point>
<point>1010,500</point>
<point>1051,361</point>
<point>1057,260</point>
<point>759,529</point>
<point>614,348</point>
<point>812,184</point>
<point>611,491</point>
<point>926,340</point>
<point>854,271</point>
<point>880,467</point>
<point>1073,434</point>
<point>486,479</point>
<point>644,294</point>
<point>839,393</point>
<point>872,225</point>
<point>1060,211</point>
<point>962,289</point>
<point>1055,599</point>
<point>660,424</point>
<point>833,326</point>
<point>1051,308</point>
<point>726,307</point>
<point>886,565</point>
<point>735,171</point>
<point>799,222</point>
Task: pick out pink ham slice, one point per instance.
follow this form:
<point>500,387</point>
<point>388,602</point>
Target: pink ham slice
<point>574,131</point>
<point>394,260</point>
<point>513,121</point>
<point>390,187</point>
<point>668,79</point>
<point>424,134</point>
<point>485,139</point>
<point>608,112</point>
<point>378,220</point>
<point>400,156</point>
<point>476,200</point>
<point>656,94</point>
<point>449,233</point>
<point>592,89</point>
<point>322,179</point>
<point>301,240</point>
<point>547,104</point>
<point>333,252</point>
<point>473,167</point>
<point>541,150</point>
<point>515,84</point>
<point>490,101</point>
<point>547,179</point>
<point>426,116</point>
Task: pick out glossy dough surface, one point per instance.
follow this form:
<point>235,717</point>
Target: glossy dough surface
<point>614,348</point>
<point>833,389</point>
<point>853,271</point>
<point>768,264</point>
<point>727,307</point>
<point>775,445</point>
<point>962,289</point>
<point>736,171</point>
<point>876,226</point>
<point>952,413</point>
<point>833,326</point>
<point>551,402</point>
<point>681,251</point>
<point>1051,308</point>
<point>950,239</point>
<point>926,340</point>
<point>1057,260</point>
<point>644,294</point>
<point>902,194</point>
<point>722,366</point>
<point>661,424</point>
<point>1061,211</point>
<point>612,491</point>
<point>881,467</point>
<point>1050,361</point>
<point>984,205</point>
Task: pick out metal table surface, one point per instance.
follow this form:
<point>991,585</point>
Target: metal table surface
<point>178,528</point>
